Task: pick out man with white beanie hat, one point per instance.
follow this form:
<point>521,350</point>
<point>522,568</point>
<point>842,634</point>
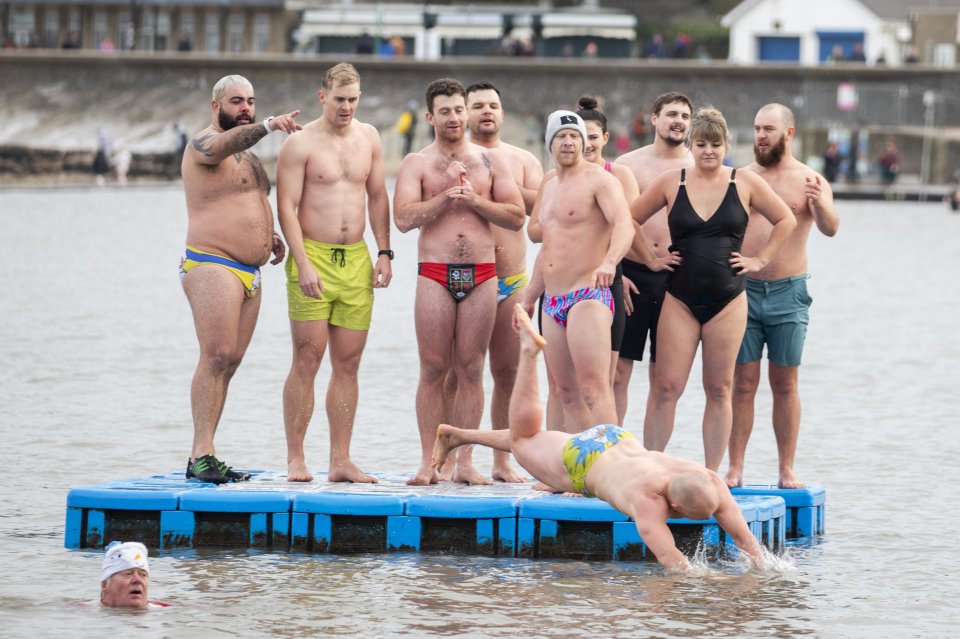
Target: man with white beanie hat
<point>583,220</point>
<point>560,120</point>
<point>125,576</point>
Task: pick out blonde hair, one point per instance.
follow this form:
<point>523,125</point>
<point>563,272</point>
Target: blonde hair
<point>340,75</point>
<point>709,125</point>
<point>220,88</point>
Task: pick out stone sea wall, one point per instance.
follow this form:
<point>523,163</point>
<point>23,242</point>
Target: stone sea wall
<point>53,102</point>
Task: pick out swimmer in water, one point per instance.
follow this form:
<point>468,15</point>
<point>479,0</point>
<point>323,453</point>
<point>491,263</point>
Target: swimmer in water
<point>606,461</point>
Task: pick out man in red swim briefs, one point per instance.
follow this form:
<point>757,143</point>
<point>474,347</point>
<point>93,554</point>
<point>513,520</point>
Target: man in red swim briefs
<point>453,191</point>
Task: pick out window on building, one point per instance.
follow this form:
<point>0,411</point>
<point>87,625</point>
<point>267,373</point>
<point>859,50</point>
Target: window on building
<point>74,24</point>
<point>944,54</point>
<point>235,29</point>
<point>126,34</point>
<point>51,29</point>
<point>261,32</point>
<point>22,25</point>
<point>148,28</point>
<point>211,33</point>
<point>188,31</point>
<point>99,27</point>
<point>162,40</point>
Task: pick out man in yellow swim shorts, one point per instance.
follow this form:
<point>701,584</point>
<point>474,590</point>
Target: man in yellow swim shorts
<point>328,175</point>
<point>607,462</point>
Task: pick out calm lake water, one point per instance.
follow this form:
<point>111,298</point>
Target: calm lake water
<point>96,355</point>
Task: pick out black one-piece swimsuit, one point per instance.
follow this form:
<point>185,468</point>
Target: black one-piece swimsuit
<point>704,280</point>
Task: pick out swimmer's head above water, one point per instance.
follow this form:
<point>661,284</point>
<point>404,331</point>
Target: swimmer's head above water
<point>125,576</point>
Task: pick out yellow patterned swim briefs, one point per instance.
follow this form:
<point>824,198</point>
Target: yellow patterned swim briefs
<point>581,451</point>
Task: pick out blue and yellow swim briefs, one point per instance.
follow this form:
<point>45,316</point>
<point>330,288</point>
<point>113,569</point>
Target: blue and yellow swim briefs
<point>507,286</point>
<point>249,275</point>
<point>581,451</point>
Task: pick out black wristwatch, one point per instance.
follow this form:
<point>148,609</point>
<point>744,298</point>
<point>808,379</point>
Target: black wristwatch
<point>386,252</point>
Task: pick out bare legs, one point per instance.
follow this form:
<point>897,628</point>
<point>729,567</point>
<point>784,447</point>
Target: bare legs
<point>579,367</point>
<point>786,419</point>
<point>504,355</point>
<point>309,343</point>
<point>621,384</point>
<point>504,351</point>
<point>224,321</point>
<point>538,451</point>
<point>745,385</point>
<point>721,338</point>
<point>467,325</point>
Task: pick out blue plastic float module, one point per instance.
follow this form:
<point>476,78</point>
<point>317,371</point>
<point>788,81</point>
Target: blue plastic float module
<point>180,512</point>
<point>806,507</point>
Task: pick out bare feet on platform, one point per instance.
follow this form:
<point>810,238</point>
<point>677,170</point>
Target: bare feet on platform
<point>445,471</point>
<point>349,471</point>
<point>506,473</point>
<point>297,471</point>
<point>424,477</point>
<point>545,488</point>
<point>734,477</point>
<point>531,342</point>
<point>788,480</point>
<point>467,474</point>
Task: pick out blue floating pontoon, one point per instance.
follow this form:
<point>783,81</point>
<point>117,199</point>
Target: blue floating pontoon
<point>505,520</point>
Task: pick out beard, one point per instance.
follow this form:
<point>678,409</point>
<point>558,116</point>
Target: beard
<point>773,155</point>
<point>227,122</point>
<point>451,135</point>
<point>673,142</point>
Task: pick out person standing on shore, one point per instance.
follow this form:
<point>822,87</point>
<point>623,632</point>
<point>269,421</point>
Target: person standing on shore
<point>777,298</point>
<point>453,191</point>
<point>328,176</point>
<point>229,237</point>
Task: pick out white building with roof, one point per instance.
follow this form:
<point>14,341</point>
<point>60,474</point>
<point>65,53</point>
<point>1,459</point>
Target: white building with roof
<point>807,31</point>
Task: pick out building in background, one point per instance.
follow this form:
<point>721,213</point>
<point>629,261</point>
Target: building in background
<point>812,32</point>
<point>431,31</point>
<point>211,26</point>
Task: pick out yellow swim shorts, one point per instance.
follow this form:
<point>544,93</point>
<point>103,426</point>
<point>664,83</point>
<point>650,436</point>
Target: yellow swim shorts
<point>249,275</point>
<point>347,275</point>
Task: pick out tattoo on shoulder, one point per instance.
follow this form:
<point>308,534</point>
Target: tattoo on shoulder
<point>486,161</point>
<point>203,143</point>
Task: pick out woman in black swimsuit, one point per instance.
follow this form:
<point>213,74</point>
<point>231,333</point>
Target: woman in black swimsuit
<point>705,302</point>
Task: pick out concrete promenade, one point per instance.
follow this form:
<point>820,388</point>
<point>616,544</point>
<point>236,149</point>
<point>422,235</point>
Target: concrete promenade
<point>57,99</point>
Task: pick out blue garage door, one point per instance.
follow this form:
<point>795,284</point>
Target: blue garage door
<point>846,39</point>
<point>779,49</point>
